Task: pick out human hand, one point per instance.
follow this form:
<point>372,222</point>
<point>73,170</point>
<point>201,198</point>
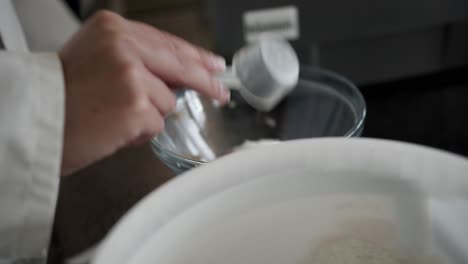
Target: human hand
<point>119,76</point>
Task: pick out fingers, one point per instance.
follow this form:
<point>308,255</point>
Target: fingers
<point>162,102</point>
<point>154,124</point>
<point>161,97</point>
<point>174,69</point>
<point>212,62</point>
<point>178,63</point>
<point>146,118</point>
<point>151,35</point>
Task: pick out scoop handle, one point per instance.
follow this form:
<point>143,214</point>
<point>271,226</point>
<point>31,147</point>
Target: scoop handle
<point>230,79</point>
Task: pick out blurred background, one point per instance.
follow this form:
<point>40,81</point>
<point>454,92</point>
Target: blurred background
<point>409,59</point>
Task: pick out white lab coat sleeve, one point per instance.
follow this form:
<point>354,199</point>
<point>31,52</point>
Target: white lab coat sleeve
<point>31,135</point>
<point>47,24</point>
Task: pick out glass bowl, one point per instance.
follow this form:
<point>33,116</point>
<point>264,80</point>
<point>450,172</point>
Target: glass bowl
<point>324,104</point>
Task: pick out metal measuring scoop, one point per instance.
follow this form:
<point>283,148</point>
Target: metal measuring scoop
<point>263,72</point>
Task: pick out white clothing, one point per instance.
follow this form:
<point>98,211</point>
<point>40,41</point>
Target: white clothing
<point>31,124</point>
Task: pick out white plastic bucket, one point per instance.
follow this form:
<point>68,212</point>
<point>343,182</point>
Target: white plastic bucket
<point>287,203</point>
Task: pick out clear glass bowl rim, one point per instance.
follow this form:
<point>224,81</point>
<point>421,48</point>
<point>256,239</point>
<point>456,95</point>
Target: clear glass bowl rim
<point>357,128</point>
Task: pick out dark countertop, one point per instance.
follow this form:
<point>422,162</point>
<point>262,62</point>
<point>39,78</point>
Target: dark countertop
<point>92,200</point>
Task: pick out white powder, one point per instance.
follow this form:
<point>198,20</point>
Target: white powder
<point>356,251</point>
<point>248,144</point>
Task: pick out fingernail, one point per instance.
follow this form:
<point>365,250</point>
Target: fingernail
<point>224,94</point>
<point>218,63</point>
